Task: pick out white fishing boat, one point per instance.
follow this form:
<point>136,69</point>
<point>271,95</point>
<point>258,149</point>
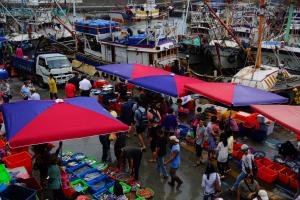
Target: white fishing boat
<point>144,11</point>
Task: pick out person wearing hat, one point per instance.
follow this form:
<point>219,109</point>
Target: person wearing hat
<point>248,166</point>
<point>248,188</point>
<point>175,162</point>
<point>34,95</point>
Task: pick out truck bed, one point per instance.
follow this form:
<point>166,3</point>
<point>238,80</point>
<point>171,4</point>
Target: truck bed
<point>21,64</point>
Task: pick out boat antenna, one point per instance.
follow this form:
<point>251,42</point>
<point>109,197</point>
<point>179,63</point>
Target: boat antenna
<point>260,31</point>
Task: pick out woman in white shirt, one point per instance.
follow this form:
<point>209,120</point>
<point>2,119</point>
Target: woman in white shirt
<point>211,182</point>
<point>222,151</point>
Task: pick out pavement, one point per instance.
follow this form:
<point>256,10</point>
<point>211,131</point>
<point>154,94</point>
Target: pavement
<point>191,188</point>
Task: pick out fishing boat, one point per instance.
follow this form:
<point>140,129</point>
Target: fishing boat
<point>110,42</point>
<point>275,79</point>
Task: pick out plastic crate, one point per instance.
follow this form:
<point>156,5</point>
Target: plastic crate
<point>81,189</point>
<point>15,192</point>
<point>101,183</point>
<point>79,169</point>
<point>90,161</point>
<point>126,188</point>
<point>83,175</point>
<point>293,182</point>
<point>101,166</point>
<point>4,175</point>
<point>277,167</point>
<point>101,192</point>
<point>267,175</point>
<point>78,156</point>
<point>237,146</point>
<point>33,184</point>
<point>2,144</point>
<point>263,162</point>
<point>285,175</point>
<point>18,160</point>
<point>18,150</point>
<point>237,154</point>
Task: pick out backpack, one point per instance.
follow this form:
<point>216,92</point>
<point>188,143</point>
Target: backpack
<point>155,118</point>
<point>143,120</point>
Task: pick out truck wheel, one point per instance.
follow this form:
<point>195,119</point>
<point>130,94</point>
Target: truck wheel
<point>40,82</point>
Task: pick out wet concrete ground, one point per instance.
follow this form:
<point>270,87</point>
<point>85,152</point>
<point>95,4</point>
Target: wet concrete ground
<point>191,189</point>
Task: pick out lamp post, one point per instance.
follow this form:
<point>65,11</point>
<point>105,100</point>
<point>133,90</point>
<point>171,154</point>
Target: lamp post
<point>187,57</point>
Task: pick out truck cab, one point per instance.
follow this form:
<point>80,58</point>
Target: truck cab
<point>53,63</point>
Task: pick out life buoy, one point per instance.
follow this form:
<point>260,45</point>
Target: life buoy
<point>231,58</point>
<point>104,75</point>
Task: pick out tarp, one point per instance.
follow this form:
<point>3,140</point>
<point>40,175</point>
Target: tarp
<point>285,115</point>
<point>235,94</point>
<point>36,122</point>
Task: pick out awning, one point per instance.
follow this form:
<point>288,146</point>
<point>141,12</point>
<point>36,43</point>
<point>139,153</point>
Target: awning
<point>285,115</point>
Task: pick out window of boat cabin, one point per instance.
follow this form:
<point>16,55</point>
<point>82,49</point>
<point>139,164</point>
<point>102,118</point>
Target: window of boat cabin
<point>151,58</point>
<point>95,46</point>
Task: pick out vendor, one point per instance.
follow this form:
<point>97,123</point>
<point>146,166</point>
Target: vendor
<point>85,86</point>
<point>118,193</point>
<point>248,188</point>
<point>134,157</point>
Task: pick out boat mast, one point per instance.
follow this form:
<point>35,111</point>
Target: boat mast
<point>214,14</point>
<point>289,23</point>
<point>260,32</point>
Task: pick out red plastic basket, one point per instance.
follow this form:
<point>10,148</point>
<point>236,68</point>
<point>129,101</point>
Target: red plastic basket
<point>293,182</point>
<point>237,154</point>
<point>18,150</point>
<point>2,144</point>
<point>267,175</point>
<point>19,160</point>
<point>277,167</point>
<point>264,162</point>
<point>237,146</point>
<point>285,175</point>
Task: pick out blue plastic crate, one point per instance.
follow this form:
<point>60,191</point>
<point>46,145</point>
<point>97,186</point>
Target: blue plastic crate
<point>76,156</point>
<point>15,192</point>
<point>103,191</point>
<point>79,169</point>
<point>105,181</point>
<point>82,176</point>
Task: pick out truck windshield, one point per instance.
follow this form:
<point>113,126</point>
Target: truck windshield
<point>58,62</point>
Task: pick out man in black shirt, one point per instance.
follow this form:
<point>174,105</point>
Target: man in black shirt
<point>134,157</point>
<point>119,144</point>
<point>161,151</point>
<point>75,80</point>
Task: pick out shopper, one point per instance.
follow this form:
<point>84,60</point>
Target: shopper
<point>25,90</point>
<point>154,120</point>
<point>175,162</point>
<point>222,151</point>
<point>34,95</point>
<point>248,188</point>
<point>211,182</point>
<point>5,91</point>
<point>104,140</point>
<point>133,155</point>
<point>70,89</point>
<point>199,141</point>
<point>248,166</point>
<point>169,124</point>
<point>161,151</point>
<point>85,86</point>
<point>141,123</point>
<point>52,87</point>
<point>119,144</point>
<point>75,80</point>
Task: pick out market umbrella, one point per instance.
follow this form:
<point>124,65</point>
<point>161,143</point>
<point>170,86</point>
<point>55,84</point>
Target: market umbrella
<point>285,115</point>
<point>172,85</point>
<point>232,94</point>
<point>131,71</point>
<point>36,122</point>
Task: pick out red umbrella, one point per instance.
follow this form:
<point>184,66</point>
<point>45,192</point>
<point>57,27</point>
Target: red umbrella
<point>36,122</point>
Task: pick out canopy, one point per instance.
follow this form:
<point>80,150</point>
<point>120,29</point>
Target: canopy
<point>285,115</point>
<point>232,94</point>
<point>151,78</point>
<point>131,71</point>
<point>36,122</point>
<point>172,85</point>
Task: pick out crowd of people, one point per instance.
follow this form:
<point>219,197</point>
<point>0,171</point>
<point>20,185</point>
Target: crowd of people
<point>155,119</point>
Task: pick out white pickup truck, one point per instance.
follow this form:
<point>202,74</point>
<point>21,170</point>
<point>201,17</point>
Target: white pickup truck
<point>42,66</point>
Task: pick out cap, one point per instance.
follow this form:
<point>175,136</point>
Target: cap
<point>263,195</point>
<point>244,147</point>
<point>173,138</point>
